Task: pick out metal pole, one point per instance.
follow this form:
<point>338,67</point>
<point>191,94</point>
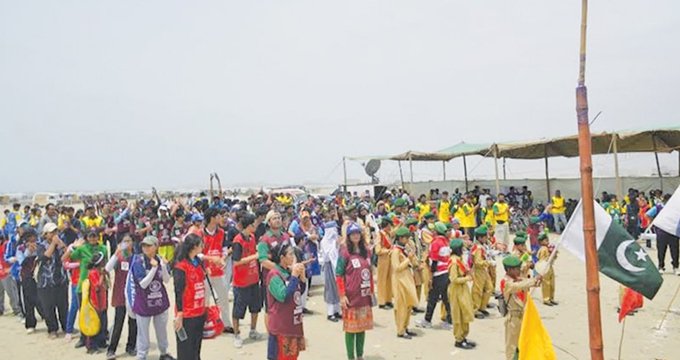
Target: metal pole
<point>444,169</point>
<point>465,173</point>
<point>410,164</point>
<point>658,167</point>
<point>495,161</point>
<point>401,174</point>
<point>586,165</point>
<point>504,176</point>
<point>619,186</point>
<point>344,172</point>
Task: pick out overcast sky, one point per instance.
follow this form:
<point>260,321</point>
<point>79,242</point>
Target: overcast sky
<point>104,95</point>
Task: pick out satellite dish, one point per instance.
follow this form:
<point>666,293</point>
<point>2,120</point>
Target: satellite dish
<point>371,168</point>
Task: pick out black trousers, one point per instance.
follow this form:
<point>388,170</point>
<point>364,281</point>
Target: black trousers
<point>54,300</point>
<point>190,349</point>
<point>21,297</point>
<point>30,292</point>
<point>665,241</point>
<point>440,286</point>
<point>118,322</point>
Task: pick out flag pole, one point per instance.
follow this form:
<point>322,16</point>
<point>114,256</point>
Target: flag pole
<point>586,165</point>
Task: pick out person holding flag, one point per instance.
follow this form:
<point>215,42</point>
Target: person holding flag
<point>514,289</point>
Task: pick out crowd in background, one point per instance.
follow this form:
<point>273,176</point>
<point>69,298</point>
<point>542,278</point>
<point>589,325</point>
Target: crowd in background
<point>264,251</point>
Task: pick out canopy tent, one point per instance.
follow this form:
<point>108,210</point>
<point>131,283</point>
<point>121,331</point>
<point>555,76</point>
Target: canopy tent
<point>665,139</point>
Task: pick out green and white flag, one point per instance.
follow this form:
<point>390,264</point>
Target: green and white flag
<point>621,257</point>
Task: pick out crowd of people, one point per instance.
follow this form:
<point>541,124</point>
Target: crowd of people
<point>394,251</point>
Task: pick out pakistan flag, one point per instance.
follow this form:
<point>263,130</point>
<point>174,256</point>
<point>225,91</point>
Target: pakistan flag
<point>620,257</point>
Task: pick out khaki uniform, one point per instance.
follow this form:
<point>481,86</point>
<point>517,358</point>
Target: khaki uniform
<point>384,282</point>
<point>415,263</point>
<point>404,288</point>
<point>426,237</point>
<point>527,262</point>
<point>514,293</point>
<point>548,283</point>
<point>460,298</point>
<point>482,288</point>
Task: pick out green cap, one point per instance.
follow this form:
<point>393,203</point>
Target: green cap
<point>512,261</point>
<point>399,202</point>
<point>440,228</point>
<point>519,240</point>
<point>449,226</point>
<point>521,233</point>
<point>542,236</point>
<point>534,220</point>
<point>386,220</point>
<point>411,221</point>
<point>456,243</point>
<point>402,231</point>
<point>428,215</point>
<point>481,231</point>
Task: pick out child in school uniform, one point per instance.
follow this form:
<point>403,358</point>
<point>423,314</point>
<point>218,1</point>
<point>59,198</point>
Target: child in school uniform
<point>459,296</point>
<point>548,284</point>
<point>99,294</point>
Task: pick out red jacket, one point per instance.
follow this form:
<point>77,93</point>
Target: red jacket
<point>440,252</point>
<point>213,246</point>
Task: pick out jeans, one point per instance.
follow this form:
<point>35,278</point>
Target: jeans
<point>54,300</point>
<point>119,320</point>
<point>72,310</point>
<point>9,286</point>
<point>160,325</point>
<point>559,218</point>
<point>440,287</point>
<point>666,241</point>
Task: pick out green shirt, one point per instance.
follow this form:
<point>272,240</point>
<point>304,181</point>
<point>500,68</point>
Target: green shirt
<point>277,287</point>
<point>84,254</point>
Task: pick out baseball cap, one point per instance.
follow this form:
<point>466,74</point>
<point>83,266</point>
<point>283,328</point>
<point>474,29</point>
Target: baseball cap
<point>150,240</point>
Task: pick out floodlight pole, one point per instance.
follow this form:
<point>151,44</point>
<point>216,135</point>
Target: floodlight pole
<point>586,165</point>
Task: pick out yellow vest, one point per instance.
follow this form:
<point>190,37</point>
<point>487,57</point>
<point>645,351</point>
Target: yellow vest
<point>444,211</point>
<point>557,205</point>
<point>489,217</point>
<point>423,209</point>
<point>501,211</point>
<point>468,220</point>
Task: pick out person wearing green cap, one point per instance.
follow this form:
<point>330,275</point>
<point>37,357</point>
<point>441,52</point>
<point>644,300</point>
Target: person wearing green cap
<point>514,288</point>
<point>469,219</point>
<point>482,287</point>
<point>382,250</point>
<point>444,208</point>
<point>548,284</point>
<point>520,250</point>
<point>459,296</point>
<point>402,261</point>
<point>440,259</point>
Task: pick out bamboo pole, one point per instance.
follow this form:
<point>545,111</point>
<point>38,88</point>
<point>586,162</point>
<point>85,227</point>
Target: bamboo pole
<point>410,165</point>
<point>619,186</point>
<point>444,169</point>
<point>547,174</point>
<point>586,165</point>
<point>401,174</point>
<point>465,173</point>
<point>504,176</point>
<point>344,172</point>
<point>658,167</point>
<point>495,161</point>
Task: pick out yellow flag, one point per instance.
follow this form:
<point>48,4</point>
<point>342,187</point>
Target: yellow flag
<point>534,341</point>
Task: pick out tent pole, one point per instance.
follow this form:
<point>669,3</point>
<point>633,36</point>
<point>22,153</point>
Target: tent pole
<point>658,167</point>
<point>504,176</point>
<point>547,175</point>
<point>495,161</point>
<point>465,173</point>
<point>410,164</point>
<point>444,169</point>
<point>344,172</point>
<point>586,167</point>
<point>401,174</point>
<point>619,187</point>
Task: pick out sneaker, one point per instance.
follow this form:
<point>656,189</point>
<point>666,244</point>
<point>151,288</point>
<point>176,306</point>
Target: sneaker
<point>228,330</point>
<point>52,335</point>
<point>404,336</point>
<point>30,331</point>
<point>547,303</point>
<point>307,311</point>
<point>110,355</point>
<point>254,335</point>
<point>463,345</point>
<point>479,315</point>
<point>166,357</point>
<point>131,351</point>
<point>68,337</point>
<point>332,318</point>
<point>554,303</point>
<point>424,324</point>
<point>676,271</point>
<point>418,311</point>
<point>662,270</point>
<point>411,333</point>
<point>238,342</point>
<point>486,313</point>
<point>470,342</point>
<point>80,343</point>
<point>447,326</point>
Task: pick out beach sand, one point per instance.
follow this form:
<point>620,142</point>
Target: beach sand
<point>566,323</point>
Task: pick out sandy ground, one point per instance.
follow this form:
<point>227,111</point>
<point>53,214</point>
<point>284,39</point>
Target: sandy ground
<point>566,323</point>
